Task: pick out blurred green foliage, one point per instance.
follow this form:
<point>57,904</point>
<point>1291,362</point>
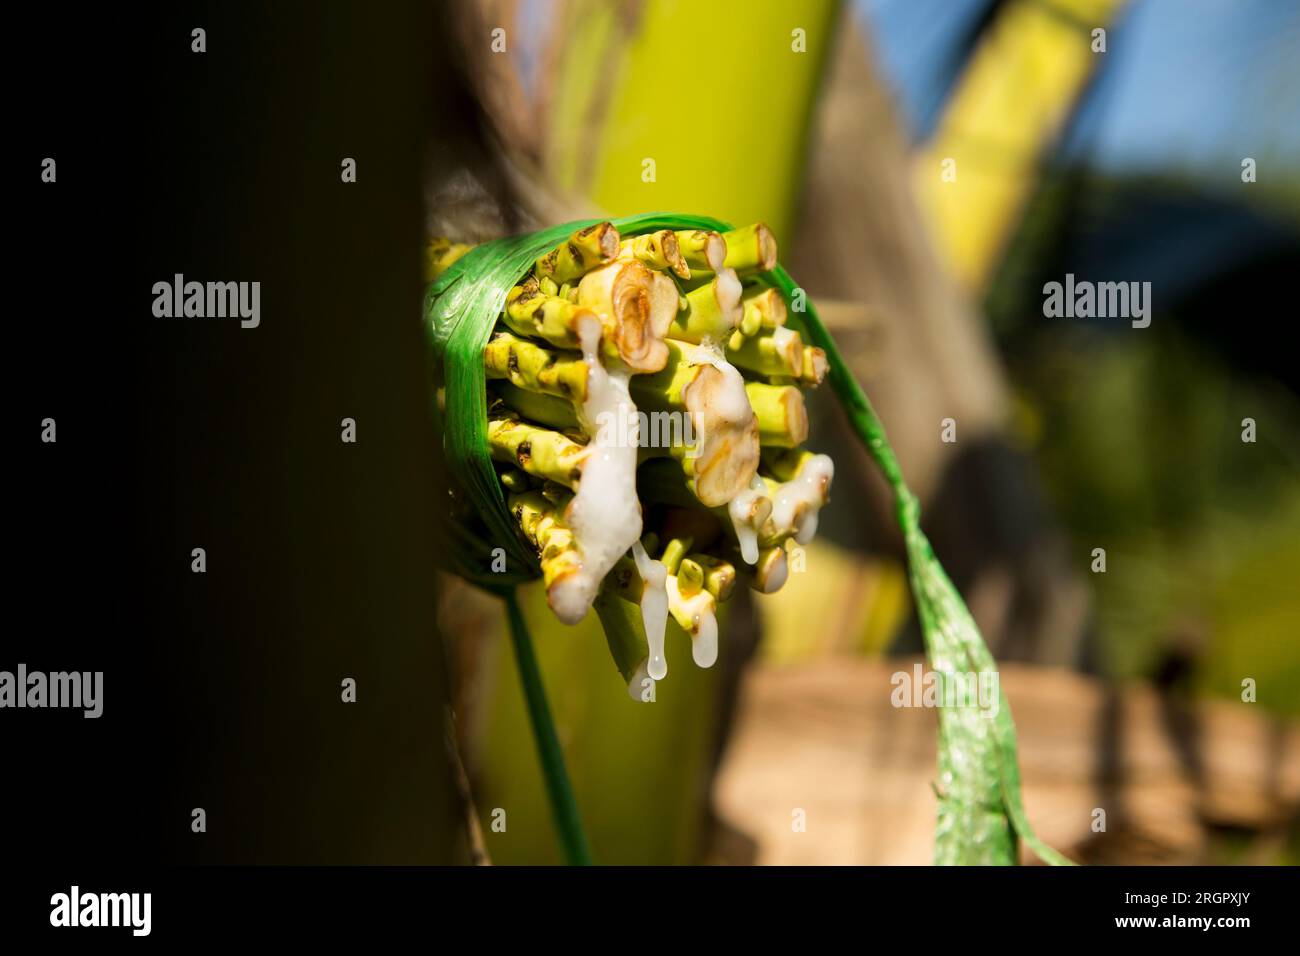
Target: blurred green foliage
<point>1138,435</point>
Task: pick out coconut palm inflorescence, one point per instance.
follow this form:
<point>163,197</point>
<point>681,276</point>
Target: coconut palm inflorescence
<point>644,414</point>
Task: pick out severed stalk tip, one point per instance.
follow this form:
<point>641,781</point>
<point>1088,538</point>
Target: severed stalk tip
<point>751,248</point>
<point>580,253</point>
<point>635,306</point>
<point>771,571</point>
<point>815,366</point>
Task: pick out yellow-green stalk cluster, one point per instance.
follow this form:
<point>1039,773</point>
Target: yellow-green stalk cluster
<point>646,411</point>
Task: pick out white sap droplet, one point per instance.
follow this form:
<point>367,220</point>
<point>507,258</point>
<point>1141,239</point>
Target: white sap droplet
<point>704,643</point>
<point>605,514</point>
<point>730,402</point>
<point>747,517</point>
<point>698,611</point>
<point>654,608</point>
<point>784,341</point>
<point>746,535</point>
<point>808,527</point>
<point>728,290</point>
<point>795,504</point>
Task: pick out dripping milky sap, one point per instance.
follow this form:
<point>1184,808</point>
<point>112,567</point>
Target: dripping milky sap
<point>605,514</point>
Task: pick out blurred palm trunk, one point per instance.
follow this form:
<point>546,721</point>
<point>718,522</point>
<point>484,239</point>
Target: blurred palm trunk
<point>320,553</point>
<point>865,244</point>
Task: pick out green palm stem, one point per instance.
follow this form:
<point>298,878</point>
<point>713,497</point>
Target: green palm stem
<point>568,822</point>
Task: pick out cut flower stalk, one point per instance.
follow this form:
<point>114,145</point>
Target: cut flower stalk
<point>584,250</point>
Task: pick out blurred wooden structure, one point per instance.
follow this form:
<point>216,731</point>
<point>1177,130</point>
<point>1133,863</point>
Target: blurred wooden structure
<point>823,737</point>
